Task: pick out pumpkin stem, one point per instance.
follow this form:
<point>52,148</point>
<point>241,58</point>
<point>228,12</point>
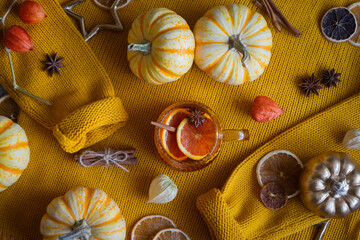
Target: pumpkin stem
<point>81,230</point>
<point>144,48</point>
<point>235,42</point>
<point>338,187</point>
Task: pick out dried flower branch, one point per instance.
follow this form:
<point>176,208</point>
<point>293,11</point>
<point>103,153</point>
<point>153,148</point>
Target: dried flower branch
<point>16,87</point>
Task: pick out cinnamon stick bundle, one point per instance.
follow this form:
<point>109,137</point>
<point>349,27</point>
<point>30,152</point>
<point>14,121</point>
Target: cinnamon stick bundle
<point>106,157</point>
<point>276,16</point>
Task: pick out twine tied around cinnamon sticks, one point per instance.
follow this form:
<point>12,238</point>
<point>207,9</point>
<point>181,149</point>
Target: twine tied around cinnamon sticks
<point>106,158</point>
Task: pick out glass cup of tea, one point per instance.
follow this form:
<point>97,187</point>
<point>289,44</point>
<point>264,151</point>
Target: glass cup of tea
<point>188,135</point>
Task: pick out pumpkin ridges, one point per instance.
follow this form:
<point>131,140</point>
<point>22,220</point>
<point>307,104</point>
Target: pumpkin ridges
<point>267,48</point>
<point>159,17</point>
<point>6,125</point>
<point>117,217</point>
<point>15,171</point>
<point>3,186</point>
<point>151,75</point>
<point>14,146</point>
<point>180,51</point>
<point>101,207</point>
<point>139,67</point>
<point>47,216</point>
<point>134,55</point>
<point>257,32</point>
<point>164,70</point>
<point>262,64</point>
<point>201,43</point>
<point>249,16</point>
<point>179,27</point>
<point>209,67</point>
<point>141,20</point>
<point>213,20</point>
<point>230,15</point>
<point>63,199</point>
<point>89,194</point>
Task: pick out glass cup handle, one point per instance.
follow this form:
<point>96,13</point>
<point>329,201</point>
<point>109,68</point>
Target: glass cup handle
<point>235,135</point>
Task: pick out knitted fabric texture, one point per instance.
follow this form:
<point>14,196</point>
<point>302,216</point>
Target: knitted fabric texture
<point>85,109</point>
<point>52,172</point>
<point>236,212</point>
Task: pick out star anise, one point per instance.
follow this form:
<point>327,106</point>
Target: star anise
<point>196,116</point>
<point>330,78</point>
<point>310,85</point>
<point>53,64</point>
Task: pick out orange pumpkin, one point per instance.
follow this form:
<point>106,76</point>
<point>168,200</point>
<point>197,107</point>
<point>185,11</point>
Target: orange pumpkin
<point>161,46</point>
<point>233,44</point>
<point>83,213</point>
<point>14,150</point>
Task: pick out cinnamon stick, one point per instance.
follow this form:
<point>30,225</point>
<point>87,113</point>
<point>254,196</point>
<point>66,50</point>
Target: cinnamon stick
<point>259,5</point>
<point>272,15</point>
<point>287,23</point>
<point>166,127</point>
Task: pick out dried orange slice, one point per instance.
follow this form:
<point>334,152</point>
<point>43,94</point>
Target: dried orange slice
<point>273,196</point>
<point>171,233</point>
<point>196,142</point>
<point>106,4</point>
<point>355,9</point>
<point>9,108</point>
<point>282,167</point>
<point>147,227</point>
<point>168,139</point>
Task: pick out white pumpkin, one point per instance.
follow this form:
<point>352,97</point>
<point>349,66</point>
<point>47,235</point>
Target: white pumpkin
<point>14,152</point>
<point>233,44</point>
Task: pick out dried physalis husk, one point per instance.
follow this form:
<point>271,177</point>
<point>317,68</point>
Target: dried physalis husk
<point>352,139</point>
<point>162,189</point>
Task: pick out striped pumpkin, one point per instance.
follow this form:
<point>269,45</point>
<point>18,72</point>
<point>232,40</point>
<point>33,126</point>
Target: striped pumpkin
<point>233,44</point>
<point>14,152</point>
<point>83,213</point>
<point>161,46</point>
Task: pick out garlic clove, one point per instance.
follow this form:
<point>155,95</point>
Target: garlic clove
<point>352,139</point>
<point>162,190</point>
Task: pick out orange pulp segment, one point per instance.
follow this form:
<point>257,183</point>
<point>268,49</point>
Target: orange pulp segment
<point>196,142</point>
<point>168,139</point>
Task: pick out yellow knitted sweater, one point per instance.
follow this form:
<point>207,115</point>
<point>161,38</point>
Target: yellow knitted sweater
<point>234,212</point>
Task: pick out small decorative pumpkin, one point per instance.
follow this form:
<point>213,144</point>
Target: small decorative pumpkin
<point>14,150</point>
<point>161,46</point>
<point>233,44</point>
<point>330,185</point>
<point>83,213</point>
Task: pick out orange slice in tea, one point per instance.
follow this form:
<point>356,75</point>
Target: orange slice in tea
<point>281,167</point>
<point>355,9</point>
<point>196,142</point>
<point>168,139</point>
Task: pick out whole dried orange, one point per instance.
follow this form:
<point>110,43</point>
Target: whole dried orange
<point>196,142</point>
<point>171,234</point>
<point>355,9</point>
<point>168,139</point>
<point>148,226</point>
<point>282,167</point>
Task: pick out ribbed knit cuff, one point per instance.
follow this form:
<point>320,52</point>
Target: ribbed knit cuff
<point>90,124</point>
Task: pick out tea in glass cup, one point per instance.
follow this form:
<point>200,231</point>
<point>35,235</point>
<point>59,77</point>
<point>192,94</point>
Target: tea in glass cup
<point>195,137</point>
